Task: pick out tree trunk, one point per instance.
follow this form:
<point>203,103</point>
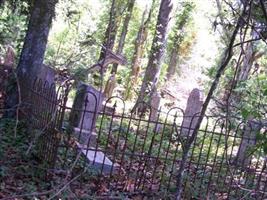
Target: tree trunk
<point>152,73</point>
<point>250,56</point>
<point>32,55</point>
<point>138,52</point>
<point>124,31</point>
<point>111,31</point>
<point>173,63</point>
<point>35,42</point>
<point>110,85</point>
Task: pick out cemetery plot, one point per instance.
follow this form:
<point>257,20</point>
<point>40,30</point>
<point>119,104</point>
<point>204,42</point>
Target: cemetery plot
<point>140,153</point>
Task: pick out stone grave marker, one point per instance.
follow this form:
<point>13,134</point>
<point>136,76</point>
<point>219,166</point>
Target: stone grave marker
<point>248,141</point>
<point>155,102</point>
<point>194,105</point>
<point>47,73</point>
<point>86,106</point>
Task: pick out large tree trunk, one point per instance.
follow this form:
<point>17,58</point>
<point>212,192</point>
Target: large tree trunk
<point>110,85</point>
<point>138,52</point>
<point>152,73</point>
<point>32,55</point>
<point>35,42</point>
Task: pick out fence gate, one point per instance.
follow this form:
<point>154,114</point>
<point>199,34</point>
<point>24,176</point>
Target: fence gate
<point>44,107</point>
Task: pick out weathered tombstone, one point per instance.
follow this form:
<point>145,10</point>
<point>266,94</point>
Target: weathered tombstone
<point>47,73</point>
<point>248,141</point>
<point>86,106</point>
<point>193,107</point>
<point>44,98</point>
<point>155,102</point>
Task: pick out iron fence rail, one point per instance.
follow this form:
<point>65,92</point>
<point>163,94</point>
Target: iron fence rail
<point>133,154</point>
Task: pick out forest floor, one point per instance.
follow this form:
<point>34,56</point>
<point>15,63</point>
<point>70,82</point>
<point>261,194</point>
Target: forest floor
<point>23,177</point>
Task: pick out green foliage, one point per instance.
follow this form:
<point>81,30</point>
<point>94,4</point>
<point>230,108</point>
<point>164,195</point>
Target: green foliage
<point>183,33</point>
<point>13,25</point>
<point>254,97</point>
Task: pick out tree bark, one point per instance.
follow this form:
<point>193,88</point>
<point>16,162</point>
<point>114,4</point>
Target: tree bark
<point>32,55</point>
<point>124,31</point>
<point>152,73</point>
<point>111,31</point>
<point>138,52</point>
<point>110,85</point>
<point>173,63</point>
<point>250,56</point>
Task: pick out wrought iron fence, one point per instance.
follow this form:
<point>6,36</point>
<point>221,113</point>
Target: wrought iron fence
<point>43,107</point>
<point>132,153</point>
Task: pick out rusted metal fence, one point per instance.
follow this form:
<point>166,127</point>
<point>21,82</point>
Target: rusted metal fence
<point>44,108</point>
<point>130,153</point>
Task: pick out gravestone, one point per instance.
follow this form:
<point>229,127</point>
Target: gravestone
<point>193,107</point>
<point>47,73</point>
<point>155,102</point>
<point>248,142</point>
<point>86,106</point>
<point>46,106</point>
